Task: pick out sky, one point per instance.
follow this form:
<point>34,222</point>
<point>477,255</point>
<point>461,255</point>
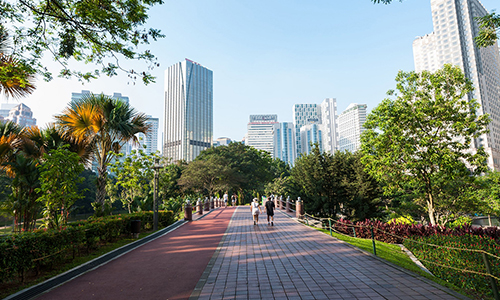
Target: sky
<point>266,56</point>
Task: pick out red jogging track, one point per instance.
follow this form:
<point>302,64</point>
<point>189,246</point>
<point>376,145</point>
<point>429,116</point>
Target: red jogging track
<point>166,268</point>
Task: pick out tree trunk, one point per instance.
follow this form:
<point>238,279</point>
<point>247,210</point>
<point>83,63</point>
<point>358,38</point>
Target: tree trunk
<point>430,209</point>
<point>101,186</point>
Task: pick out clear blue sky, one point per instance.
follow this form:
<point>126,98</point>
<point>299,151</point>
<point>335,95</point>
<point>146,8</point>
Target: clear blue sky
<point>267,55</point>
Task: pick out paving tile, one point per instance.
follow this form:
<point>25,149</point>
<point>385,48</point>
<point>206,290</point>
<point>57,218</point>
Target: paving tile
<point>292,261</point>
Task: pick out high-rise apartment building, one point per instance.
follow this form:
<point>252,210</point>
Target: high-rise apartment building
<point>452,42</point>
<point>304,114</point>
<point>325,116</point>
<point>188,110</point>
<point>310,135</point>
<point>286,143</point>
<point>78,96</point>
<point>149,140</point>
<point>329,125</point>
<point>262,133</point>
<point>22,116</point>
<point>351,123</point>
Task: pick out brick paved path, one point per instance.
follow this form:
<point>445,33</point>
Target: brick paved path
<point>292,261</point>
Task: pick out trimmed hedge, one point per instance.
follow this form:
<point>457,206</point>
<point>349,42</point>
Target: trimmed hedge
<point>28,251</point>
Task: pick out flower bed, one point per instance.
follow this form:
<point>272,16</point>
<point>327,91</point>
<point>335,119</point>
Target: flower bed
<point>32,251</point>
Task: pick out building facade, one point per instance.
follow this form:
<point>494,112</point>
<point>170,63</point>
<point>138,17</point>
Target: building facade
<point>286,143</point>
<point>304,114</point>
<point>21,115</point>
<point>329,125</point>
<point>351,123</point>
<point>148,142</point>
<point>452,42</point>
<point>310,135</point>
<point>188,110</point>
<point>262,133</point>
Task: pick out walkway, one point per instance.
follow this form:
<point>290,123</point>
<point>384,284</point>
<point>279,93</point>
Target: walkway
<point>166,268</point>
<point>292,261</point>
<point>285,261</point>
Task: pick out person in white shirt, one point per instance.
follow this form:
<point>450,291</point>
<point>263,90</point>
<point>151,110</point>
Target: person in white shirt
<point>255,207</point>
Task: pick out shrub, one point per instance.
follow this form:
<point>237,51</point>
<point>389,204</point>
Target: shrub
<point>46,248</point>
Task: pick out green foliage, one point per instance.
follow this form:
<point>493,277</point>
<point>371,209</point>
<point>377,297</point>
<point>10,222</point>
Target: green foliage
<point>448,264</point>
<point>88,189</point>
<point>245,169</point>
<point>41,248</point>
<point>332,185</point>
<point>487,193</point>
<point>408,220</point>
<point>489,27</point>
<point>421,139</point>
<point>100,33</point>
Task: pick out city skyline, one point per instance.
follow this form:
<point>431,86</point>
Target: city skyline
<point>268,54</point>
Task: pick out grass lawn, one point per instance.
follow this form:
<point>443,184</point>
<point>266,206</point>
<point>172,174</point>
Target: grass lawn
<point>7,289</point>
<point>393,254</point>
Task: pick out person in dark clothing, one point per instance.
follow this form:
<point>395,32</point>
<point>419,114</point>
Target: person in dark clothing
<point>270,211</point>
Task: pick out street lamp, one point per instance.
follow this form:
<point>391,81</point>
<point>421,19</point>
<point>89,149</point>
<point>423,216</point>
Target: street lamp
<point>156,167</point>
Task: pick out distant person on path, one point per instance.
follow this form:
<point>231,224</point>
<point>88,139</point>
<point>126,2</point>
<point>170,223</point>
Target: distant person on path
<point>225,200</point>
<point>233,199</point>
<point>270,211</point>
<point>255,207</point>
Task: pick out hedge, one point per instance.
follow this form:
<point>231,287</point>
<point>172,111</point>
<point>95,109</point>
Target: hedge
<point>28,251</point>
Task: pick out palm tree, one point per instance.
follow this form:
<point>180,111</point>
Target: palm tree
<point>105,125</point>
<point>16,77</point>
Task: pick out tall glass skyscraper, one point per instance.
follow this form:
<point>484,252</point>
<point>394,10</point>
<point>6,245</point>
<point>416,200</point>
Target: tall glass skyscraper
<point>351,123</point>
<point>452,42</point>
<point>188,110</point>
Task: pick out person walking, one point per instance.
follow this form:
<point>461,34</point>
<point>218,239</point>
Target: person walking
<point>233,200</point>
<point>255,208</point>
<point>225,200</point>
<point>270,211</point>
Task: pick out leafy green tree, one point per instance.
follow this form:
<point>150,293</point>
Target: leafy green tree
<point>487,193</point>
<point>208,176</point>
<point>422,138</point>
<point>132,177</point>
<point>88,189</point>
<point>98,32</point>
<point>59,176</point>
<point>253,168</point>
<point>105,125</point>
<point>489,26</point>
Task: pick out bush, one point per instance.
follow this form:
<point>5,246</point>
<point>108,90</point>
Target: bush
<point>46,248</point>
<point>475,284</point>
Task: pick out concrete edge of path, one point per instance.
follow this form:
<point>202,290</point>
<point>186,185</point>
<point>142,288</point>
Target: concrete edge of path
<point>51,283</point>
<point>418,276</point>
<point>203,279</point>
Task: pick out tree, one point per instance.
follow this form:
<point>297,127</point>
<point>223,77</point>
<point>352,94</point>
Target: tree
<point>489,26</point>
<point>59,177</point>
<point>98,32</point>
<point>253,168</point>
<point>422,138</point>
<point>213,174</point>
<point>16,78</point>
<point>132,177</point>
<point>105,125</point>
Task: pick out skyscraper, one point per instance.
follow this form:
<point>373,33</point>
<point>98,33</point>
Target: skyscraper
<point>22,116</point>
<point>329,125</point>
<point>351,123</point>
<point>150,140</point>
<point>452,42</point>
<point>262,133</point>
<point>286,143</point>
<point>188,110</point>
<point>304,114</point>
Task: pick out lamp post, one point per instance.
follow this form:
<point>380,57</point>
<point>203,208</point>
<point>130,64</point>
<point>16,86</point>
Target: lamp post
<point>156,167</point>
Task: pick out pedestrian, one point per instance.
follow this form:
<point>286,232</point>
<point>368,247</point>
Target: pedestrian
<point>225,200</point>
<point>233,200</point>
<point>255,208</point>
<point>270,211</point>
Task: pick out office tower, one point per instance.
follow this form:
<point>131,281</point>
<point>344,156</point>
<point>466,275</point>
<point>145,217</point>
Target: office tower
<point>150,140</point>
<point>452,42</point>
<point>286,143</point>
<point>188,110</point>
<point>5,109</point>
<point>309,136</point>
<point>78,96</point>
<point>262,133</point>
<point>329,125</point>
<point>304,114</point>
<point>351,123</point>
<point>222,141</point>
<point>22,116</point>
